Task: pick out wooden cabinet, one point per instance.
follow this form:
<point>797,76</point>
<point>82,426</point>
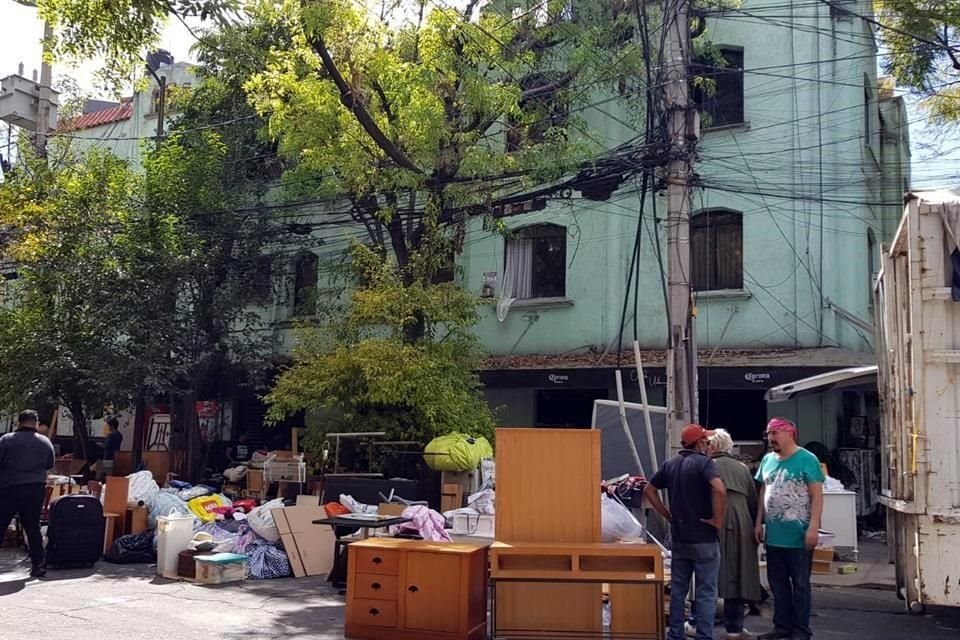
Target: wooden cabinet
<point>416,590</point>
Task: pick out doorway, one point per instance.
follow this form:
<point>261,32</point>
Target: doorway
<point>742,413</point>
<point>567,408</point>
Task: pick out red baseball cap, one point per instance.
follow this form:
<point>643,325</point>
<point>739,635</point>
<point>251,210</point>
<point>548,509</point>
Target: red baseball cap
<point>693,433</point>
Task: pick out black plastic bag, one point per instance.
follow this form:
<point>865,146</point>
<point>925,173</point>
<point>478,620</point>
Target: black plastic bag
<point>136,548</point>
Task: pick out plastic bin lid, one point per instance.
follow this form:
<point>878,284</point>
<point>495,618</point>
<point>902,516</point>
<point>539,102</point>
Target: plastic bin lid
<point>222,558</point>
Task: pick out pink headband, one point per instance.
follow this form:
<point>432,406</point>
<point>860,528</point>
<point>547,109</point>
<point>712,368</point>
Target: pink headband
<point>781,424</point>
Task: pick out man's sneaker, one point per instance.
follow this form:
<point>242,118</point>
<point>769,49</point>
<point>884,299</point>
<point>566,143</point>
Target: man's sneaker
<point>743,635</point>
<point>38,571</point>
<point>690,630</point>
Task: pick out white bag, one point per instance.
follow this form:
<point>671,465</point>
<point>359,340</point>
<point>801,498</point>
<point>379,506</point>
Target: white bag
<point>483,501</point>
<point>261,520</point>
<point>142,487</point>
<point>616,521</point>
<point>357,507</point>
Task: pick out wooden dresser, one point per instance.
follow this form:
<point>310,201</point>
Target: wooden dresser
<point>416,590</point>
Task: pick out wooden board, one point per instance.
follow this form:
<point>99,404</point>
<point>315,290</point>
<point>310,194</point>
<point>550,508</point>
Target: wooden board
<point>158,463</point>
<point>137,519</point>
<point>637,609</point>
<point>548,490</point>
<point>548,485</point>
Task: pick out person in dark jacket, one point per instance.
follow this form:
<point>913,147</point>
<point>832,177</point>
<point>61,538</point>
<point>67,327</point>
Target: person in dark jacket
<point>111,446</point>
<point>697,507</point>
<point>25,458</point>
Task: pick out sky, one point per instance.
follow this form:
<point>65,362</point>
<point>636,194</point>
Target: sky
<point>935,164</point>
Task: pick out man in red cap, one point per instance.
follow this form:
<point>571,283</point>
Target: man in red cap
<point>790,505</point>
<point>698,500</point>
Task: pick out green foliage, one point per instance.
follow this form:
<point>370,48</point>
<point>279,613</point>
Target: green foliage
<point>923,40</point>
<point>77,238</point>
<point>360,372</point>
<point>119,31</point>
<point>406,116</point>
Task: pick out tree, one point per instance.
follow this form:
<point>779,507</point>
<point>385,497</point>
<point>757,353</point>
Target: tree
<point>414,116</point>
<point>212,178</point>
<point>417,119</point>
<point>74,238</point>
<point>363,374</point>
<point>923,38</point>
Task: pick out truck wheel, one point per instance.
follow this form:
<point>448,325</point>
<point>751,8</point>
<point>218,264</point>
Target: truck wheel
<point>916,608</point>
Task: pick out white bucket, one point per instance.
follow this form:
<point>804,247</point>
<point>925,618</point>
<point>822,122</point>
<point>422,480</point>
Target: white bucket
<point>174,533</point>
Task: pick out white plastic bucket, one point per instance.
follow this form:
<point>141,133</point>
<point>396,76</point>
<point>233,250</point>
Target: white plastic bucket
<point>174,533</point>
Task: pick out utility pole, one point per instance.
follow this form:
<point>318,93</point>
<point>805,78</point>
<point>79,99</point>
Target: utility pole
<point>43,107</point>
<point>683,133</point>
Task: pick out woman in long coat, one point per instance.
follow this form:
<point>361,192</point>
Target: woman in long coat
<point>739,581</point>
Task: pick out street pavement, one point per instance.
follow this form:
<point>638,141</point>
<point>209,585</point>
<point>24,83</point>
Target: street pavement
<point>129,602</point>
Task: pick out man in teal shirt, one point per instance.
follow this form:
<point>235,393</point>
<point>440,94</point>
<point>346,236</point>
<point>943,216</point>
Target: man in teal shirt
<point>790,505</point>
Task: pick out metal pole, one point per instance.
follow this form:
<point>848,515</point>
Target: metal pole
<point>161,107</point>
<point>46,79</point>
<point>681,371</point>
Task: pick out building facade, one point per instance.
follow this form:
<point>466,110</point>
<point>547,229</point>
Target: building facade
<point>803,162</point>
<point>801,169</point>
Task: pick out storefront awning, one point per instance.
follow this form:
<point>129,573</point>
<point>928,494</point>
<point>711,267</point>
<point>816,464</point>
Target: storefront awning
<point>840,379</point>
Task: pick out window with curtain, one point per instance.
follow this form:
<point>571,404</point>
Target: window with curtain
<point>535,265</point>
<point>716,250</point>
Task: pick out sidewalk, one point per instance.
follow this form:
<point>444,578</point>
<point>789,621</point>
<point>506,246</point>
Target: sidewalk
<point>130,602</point>
<point>874,571</point>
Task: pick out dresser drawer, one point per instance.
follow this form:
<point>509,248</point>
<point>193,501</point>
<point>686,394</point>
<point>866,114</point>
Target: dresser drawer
<point>384,562</point>
<point>372,613</point>
<point>375,587</point>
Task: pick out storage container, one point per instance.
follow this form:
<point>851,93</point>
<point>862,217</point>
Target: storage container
<point>221,568</point>
<point>174,533</point>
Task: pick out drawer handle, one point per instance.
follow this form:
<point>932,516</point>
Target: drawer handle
<point>374,612</point>
<point>377,560</point>
<point>413,588</point>
<point>375,586</point>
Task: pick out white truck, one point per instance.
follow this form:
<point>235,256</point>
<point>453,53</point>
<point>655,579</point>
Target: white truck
<point>917,316</point>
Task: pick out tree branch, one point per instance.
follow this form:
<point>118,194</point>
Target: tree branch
<point>950,51</point>
<point>350,101</point>
<point>550,87</point>
<point>383,99</point>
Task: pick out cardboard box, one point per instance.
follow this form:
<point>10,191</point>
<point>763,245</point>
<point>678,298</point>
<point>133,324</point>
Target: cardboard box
<point>391,509</point>
<point>822,561</point>
<point>309,546</point>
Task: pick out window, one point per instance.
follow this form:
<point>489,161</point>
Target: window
<point>305,285</point>
<point>716,250</point>
<point>541,112</point>
<point>154,103</point>
<point>720,97</point>
<point>536,263</point>
<point>871,259</point>
<point>261,280</point>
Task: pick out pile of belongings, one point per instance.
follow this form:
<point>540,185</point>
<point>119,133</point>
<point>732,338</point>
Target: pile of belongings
<point>224,525</point>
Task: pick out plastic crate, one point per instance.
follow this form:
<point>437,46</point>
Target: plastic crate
<point>286,470</point>
<point>221,568</point>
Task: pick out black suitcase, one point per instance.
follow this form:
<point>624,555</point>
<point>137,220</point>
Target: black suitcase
<point>75,531</point>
